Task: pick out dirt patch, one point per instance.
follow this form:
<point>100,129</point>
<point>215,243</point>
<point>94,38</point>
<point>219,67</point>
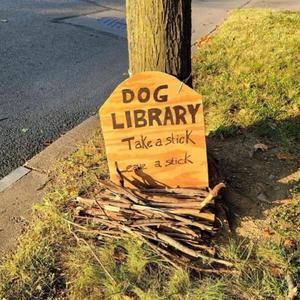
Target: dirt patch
<point>257,180</point>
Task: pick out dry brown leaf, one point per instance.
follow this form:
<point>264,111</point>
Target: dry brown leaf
<point>290,244</point>
<point>283,156</point>
<point>276,271</point>
<point>202,41</point>
<point>268,232</point>
<point>261,147</point>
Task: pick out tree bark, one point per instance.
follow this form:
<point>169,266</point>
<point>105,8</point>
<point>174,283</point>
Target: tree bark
<point>159,36</point>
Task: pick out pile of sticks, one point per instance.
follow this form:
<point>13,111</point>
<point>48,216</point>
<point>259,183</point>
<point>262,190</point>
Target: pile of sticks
<point>176,223</point>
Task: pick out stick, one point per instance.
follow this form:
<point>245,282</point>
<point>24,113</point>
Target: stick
<point>214,193</point>
<point>191,212</point>
<point>164,196</point>
<point>208,249</point>
<point>153,210</point>
<point>184,229</point>
<point>177,192</point>
<point>171,218</point>
<point>189,251</point>
<point>183,203</point>
<point>120,190</point>
<point>213,271</point>
<point>292,287</point>
<point>105,233</point>
<point>116,207</point>
<point>158,250</point>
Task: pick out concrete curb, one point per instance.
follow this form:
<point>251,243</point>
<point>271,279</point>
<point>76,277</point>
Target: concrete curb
<point>12,177</point>
<point>27,185</point>
<point>64,146</point>
<point>46,159</point>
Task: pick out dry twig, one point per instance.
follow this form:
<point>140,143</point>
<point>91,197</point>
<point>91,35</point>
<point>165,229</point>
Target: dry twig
<point>172,222</point>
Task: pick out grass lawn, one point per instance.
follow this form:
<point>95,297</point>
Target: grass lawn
<point>249,74</point>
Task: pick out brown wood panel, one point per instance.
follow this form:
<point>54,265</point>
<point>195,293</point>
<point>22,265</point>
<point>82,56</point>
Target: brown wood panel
<point>153,128</point>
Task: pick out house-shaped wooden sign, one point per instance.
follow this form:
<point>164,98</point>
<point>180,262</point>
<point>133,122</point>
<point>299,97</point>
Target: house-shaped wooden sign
<point>153,128</point>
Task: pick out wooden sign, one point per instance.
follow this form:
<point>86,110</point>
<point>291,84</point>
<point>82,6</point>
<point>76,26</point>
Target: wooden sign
<point>153,128</point>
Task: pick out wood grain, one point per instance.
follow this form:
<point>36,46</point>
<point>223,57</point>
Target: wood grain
<point>180,108</point>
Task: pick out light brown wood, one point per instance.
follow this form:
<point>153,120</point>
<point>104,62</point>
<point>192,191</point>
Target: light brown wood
<point>157,140</point>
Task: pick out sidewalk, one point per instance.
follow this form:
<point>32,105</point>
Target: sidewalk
<point>276,4</point>
<point>206,14</point>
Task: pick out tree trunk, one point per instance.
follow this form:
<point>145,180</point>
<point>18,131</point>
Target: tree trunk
<point>159,36</point>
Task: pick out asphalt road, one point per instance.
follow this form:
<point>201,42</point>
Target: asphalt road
<point>55,75</point>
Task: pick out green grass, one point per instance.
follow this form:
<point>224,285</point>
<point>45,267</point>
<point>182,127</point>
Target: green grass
<point>35,270</point>
<point>249,74</point>
<point>250,78</point>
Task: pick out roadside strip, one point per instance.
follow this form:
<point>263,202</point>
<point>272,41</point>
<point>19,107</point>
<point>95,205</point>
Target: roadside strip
<point>27,185</point>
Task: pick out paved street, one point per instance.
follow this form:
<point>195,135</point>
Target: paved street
<point>56,72</point>
<point>53,76</point>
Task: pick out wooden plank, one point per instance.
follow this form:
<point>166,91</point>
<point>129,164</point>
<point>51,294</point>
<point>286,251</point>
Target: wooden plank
<point>153,129</point>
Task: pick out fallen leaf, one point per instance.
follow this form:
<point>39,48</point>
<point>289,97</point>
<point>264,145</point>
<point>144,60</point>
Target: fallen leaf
<point>275,271</point>
<point>283,156</point>
<point>202,41</point>
<point>290,244</point>
<point>261,147</point>
<point>268,232</point>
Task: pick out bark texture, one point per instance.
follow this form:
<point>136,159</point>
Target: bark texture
<point>159,36</point>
